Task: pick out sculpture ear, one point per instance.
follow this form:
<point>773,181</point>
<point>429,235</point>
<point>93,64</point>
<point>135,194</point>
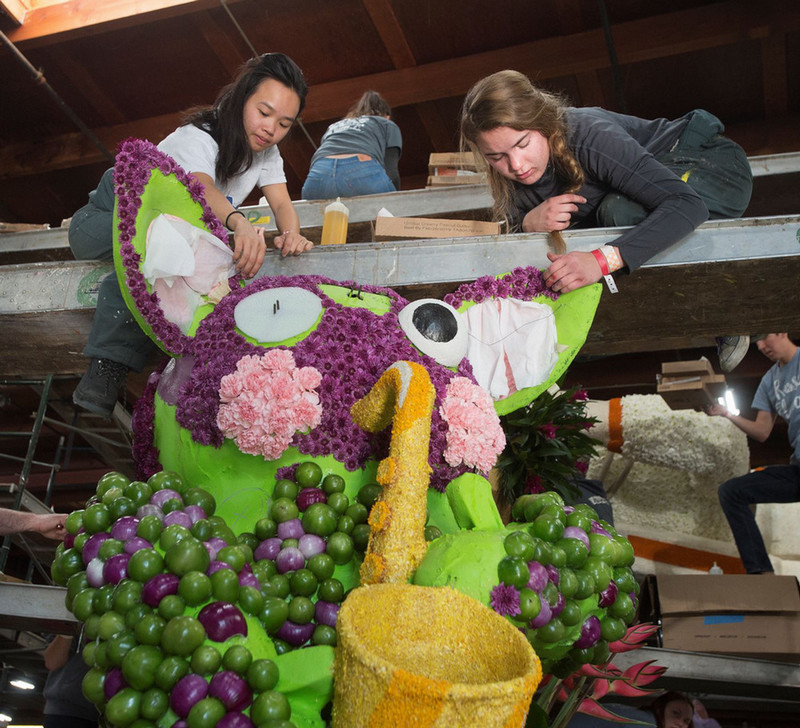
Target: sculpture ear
<point>157,201</point>
<point>574,313</point>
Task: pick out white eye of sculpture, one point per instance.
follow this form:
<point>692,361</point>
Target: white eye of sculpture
<point>436,329</point>
<point>277,314</point>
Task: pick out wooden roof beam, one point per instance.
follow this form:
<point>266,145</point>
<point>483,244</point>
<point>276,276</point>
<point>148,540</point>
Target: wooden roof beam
<point>705,27</point>
<point>76,18</point>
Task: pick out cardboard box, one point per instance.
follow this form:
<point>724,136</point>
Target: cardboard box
<point>397,228</point>
<point>690,384</point>
<point>742,614</point>
<point>453,160</point>
<point>444,180</point>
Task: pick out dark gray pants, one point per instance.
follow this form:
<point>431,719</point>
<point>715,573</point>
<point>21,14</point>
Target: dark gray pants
<point>712,165</point>
<point>115,333</point>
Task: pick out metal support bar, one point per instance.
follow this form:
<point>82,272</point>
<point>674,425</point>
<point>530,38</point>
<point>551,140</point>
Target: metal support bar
<point>40,287</point>
<point>26,468</point>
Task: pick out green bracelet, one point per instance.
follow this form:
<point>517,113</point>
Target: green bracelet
<point>234,212</point>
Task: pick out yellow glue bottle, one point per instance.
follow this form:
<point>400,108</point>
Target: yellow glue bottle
<point>334,224</point>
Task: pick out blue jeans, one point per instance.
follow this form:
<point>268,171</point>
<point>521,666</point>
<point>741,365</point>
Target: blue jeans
<point>115,334</point>
<point>775,484</point>
<point>329,178</point>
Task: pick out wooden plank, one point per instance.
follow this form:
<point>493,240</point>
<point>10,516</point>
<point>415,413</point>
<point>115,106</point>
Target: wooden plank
<point>686,306</point>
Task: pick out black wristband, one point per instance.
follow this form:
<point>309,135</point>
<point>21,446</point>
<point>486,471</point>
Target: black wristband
<point>233,212</point>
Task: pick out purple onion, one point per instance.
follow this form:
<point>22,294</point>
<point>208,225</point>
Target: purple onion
<point>568,509</point>
<point>326,613</point>
<point>231,689</point>
<point>124,528</point>
<point>215,565</point>
<point>94,572</point>
<point>309,496</point>
<point>116,568</point>
<point>196,513</point>
<point>134,544</point>
<point>609,595</point>
<point>157,587</point>
<point>113,683</point>
<point>634,598</point>
<point>179,723</point>
<point>552,574</point>
<point>179,517</point>
<point>248,578</point>
<point>69,540</point>
<point>235,720</point>
<point>538,578</point>
<point>187,691</point>
<point>269,548</point>
<point>544,616</point>
<point>310,545</point>
<point>213,545</point>
<point>148,509</point>
<point>160,497</point>
<point>590,633</point>
<point>92,546</point>
<point>597,528</point>
<point>295,634</point>
<point>558,607</point>
<point>290,559</point>
<point>222,620</point>
<point>579,533</point>
<point>292,528</point>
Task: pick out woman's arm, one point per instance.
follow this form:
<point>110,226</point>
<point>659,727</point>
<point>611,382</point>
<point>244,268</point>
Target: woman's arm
<point>48,524</point>
<point>390,160</point>
<point>289,241</point>
<point>248,241</point>
<point>56,654</point>
<point>675,210</point>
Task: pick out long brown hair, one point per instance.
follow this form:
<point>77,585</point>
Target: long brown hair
<point>371,103</point>
<point>508,98</point>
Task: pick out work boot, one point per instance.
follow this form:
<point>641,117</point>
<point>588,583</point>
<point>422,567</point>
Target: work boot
<point>98,390</point>
<point>731,351</point>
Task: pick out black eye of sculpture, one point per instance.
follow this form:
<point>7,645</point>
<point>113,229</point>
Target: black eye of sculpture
<point>436,329</point>
<point>435,322</point>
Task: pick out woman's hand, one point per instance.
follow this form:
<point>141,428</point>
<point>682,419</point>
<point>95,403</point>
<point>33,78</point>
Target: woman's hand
<point>554,213</point>
<point>291,243</point>
<point>249,246</point>
<point>572,270</point>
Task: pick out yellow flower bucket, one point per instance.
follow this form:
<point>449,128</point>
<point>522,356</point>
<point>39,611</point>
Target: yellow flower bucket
<point>429,657</point>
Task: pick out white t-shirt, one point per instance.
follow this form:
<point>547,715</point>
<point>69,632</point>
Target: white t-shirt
<point>196,151</point>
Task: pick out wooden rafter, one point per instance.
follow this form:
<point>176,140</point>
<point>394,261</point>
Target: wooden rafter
<point>700,28</point>
<point>76,18</point>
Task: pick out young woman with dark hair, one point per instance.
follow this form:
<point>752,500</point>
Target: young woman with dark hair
<point>231,148</point>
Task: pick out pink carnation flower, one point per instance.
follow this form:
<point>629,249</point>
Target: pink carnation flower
<point>266,401</point>
<point>474,436</point>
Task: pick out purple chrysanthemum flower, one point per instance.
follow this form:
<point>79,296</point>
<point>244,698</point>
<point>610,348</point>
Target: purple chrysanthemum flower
<point>505,600</point>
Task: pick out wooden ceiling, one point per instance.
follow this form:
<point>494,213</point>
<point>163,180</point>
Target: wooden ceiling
<point>120,68</point>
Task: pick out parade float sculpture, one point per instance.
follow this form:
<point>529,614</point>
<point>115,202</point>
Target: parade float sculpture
<point>210,587</point>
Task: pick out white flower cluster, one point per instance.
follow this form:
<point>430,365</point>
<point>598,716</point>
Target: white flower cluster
<point>680,458</point>
<point>682,439</point>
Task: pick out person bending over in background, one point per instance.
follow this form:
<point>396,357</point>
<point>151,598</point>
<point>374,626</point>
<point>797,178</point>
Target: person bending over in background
<point>358,154</point>
<point>231,147</point>
<point>778,394</point>
<point>551,166</point>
